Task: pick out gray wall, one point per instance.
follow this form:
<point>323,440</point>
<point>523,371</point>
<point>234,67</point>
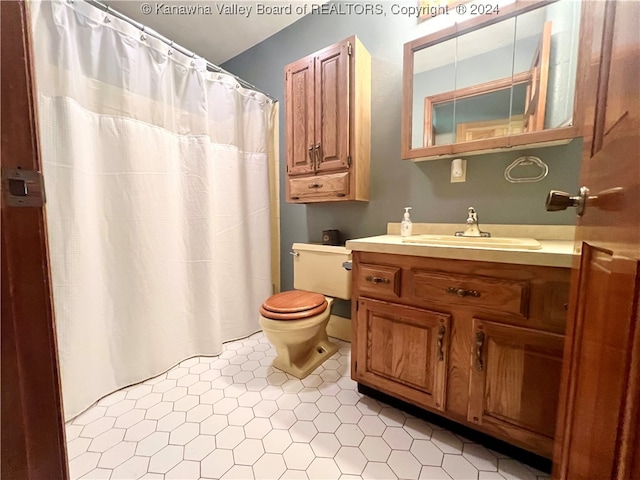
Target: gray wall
<point>395,183</point>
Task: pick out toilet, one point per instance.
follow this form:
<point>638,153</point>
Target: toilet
<point>295,322</point>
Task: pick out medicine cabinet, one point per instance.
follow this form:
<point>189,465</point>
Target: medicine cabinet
<point>500,81</point>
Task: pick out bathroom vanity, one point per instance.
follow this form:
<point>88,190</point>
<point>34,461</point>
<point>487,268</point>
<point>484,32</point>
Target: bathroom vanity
<point>472,334</point>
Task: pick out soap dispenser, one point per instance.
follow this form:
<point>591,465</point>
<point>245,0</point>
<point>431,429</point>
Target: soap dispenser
<point>406,226</point>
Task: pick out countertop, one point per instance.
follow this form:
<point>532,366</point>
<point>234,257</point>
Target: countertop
<point>556,241</point>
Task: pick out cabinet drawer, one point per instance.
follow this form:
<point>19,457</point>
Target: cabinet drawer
<point>487,293</point>
<point>379,280</point>
<point>331,185</point>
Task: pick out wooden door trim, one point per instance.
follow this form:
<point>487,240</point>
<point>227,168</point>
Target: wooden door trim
<point>603,76</point>
<point>33,437</point>
<point>628,450</point>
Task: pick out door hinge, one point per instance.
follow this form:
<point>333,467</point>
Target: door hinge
<point>356,367</point>
<point>348,160</point>
<point>349,49</point>
<point>22,188</point>
<point>357,306</point>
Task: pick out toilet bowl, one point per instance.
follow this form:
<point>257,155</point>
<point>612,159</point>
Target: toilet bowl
<point>295,321</point>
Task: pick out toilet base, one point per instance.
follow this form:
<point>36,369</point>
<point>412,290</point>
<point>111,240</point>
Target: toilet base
<point>300,369</point>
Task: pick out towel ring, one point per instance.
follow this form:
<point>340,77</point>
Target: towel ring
<point>526,161</point>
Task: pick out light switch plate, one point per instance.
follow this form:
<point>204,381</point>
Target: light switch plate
<point>461,178</point>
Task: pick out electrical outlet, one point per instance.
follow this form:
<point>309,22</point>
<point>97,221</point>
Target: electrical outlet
<point>458,172</point>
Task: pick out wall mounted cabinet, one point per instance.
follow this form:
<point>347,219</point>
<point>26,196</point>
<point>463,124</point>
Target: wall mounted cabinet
<point>479,343</point>
<point>328,124</point>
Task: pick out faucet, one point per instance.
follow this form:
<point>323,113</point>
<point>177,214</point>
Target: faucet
<point>472,229</point>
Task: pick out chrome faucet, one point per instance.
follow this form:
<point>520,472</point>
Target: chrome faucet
<point>472,229</point>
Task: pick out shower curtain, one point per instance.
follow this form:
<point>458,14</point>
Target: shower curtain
<point>156,177</point>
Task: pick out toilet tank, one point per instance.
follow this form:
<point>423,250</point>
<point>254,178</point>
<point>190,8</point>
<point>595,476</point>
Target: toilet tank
<point>318,268</point>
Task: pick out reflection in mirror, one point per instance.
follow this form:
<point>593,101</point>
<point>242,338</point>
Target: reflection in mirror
<point>515,76</point>
<point>434,73</point>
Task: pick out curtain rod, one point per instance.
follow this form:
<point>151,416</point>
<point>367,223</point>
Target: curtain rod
<point>210,66</point>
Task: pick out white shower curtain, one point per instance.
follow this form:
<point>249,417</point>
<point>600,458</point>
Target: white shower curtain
<point>156,176</point>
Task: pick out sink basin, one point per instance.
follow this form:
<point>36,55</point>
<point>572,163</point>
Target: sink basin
<point>483,242</point>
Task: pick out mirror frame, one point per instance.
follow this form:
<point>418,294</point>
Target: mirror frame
<point>552,136</point>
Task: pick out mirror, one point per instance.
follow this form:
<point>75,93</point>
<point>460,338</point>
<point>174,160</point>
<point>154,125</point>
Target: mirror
<point>479,85</point>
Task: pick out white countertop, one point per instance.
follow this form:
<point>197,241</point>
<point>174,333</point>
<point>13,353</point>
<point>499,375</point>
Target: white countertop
<point>555,252</point>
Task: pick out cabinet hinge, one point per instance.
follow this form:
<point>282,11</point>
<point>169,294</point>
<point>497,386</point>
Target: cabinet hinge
<point>357,306</point>
<point>356,367</point>
<point>349,49</point>
<point>348,160</point>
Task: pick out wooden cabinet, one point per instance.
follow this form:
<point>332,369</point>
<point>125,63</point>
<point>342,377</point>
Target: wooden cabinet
<point>479,343</point>
<point>403,349</point>
<point>515,381</point>
<point>328,124</point>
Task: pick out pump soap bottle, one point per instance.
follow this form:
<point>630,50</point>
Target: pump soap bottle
<point>406,226</point>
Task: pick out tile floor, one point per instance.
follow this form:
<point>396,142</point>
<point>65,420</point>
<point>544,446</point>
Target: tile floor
<point>236,417</point>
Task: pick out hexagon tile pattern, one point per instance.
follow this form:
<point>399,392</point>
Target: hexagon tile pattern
<point>236,417</point>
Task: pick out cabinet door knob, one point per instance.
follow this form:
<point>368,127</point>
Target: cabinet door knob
<point>557,200</point>
<point>479,344</point>
<point>318,156</point>
<point>441,331</point>
<point>311,158</point>
<point>461,292</point>
<point>377,280</point>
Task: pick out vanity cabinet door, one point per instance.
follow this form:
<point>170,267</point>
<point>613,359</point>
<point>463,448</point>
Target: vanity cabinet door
<point>514,383</point>
<point>403,351</point>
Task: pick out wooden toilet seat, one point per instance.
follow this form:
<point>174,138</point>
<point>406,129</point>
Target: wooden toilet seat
<point>293,305</point>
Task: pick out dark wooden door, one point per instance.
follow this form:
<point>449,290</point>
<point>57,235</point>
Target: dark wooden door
<point>33,442</point>
<point>598,435</point>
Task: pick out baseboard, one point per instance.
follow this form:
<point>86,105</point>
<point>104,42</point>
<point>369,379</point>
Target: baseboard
<point>339,327</point>
<point>524,456</point>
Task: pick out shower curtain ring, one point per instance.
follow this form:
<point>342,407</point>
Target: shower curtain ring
<point>143,37</point>
<point>106,18</point>
<point>170,51</point>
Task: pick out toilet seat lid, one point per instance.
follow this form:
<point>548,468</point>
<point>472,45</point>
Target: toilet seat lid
<point>293,305</point>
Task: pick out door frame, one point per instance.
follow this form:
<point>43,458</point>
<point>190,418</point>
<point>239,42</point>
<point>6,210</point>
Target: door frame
<point>33,435</point>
